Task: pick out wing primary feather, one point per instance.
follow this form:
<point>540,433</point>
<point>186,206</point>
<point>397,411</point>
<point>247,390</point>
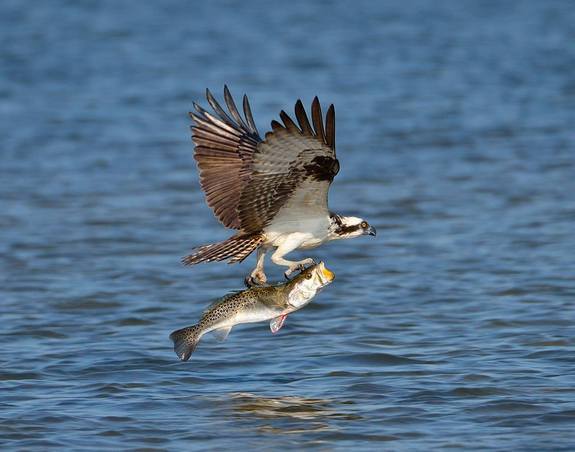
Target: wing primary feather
<point>317,119</point>
<point>207,135</point>
<point>199,109</point>
<point>218,109</point>
<point>217,121</point>
<point>288,122</point>
<point>276,126</point>
<point>302,119</point>
<point>330,127</point>
<point>222,125</point>
<point>232,107</point>
<point>215,128</point>
<point>249,116</point>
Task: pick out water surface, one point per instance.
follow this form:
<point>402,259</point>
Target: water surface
<point>454,328</point>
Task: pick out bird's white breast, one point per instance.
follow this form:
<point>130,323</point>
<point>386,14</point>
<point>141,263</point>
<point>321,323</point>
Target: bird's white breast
<point>307,232</point>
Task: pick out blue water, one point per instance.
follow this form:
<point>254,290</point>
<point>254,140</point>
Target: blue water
<point>454,328</point>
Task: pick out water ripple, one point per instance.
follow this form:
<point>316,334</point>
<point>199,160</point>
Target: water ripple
<point>453,329</point>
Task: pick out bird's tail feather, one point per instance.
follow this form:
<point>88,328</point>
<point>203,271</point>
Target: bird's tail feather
<point>236,249</point>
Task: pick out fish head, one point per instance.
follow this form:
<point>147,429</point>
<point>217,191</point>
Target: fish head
<point>308,283</point>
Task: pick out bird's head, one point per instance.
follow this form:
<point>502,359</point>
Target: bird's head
<point>348,227</point>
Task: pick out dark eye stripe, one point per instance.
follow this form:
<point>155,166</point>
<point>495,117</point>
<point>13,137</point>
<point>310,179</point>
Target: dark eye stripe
<point>348,229</point>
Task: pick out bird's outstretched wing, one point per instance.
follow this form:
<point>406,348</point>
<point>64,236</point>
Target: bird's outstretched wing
<point>225,144</point>
<point>247,181</point>
<point>292,170</point>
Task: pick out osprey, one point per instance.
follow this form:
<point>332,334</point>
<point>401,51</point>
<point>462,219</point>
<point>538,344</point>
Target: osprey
<point>272,191</point>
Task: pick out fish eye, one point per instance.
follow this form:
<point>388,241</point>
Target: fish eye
<point>364,224</point>
<point>308,276</point>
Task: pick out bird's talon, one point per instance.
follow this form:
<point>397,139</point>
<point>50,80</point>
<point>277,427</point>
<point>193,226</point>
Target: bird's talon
<point>255,280</point>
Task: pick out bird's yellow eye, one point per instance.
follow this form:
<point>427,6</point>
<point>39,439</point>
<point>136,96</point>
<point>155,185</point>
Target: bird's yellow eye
<point>308,276</point>
<point>364,224</point>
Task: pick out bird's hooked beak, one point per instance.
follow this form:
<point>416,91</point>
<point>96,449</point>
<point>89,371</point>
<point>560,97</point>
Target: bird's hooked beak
<point>370,231</point>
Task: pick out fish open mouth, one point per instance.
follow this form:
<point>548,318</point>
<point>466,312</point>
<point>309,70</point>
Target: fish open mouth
<point>326,273</point>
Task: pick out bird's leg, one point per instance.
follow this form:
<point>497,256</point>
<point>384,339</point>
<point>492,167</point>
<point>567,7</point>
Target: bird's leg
<point>257,277</point>
<point>278,259</point>
<point>298,266</point>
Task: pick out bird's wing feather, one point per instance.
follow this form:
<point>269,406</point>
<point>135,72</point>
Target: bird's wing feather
<point>292,170</point>
<point>224,146</point>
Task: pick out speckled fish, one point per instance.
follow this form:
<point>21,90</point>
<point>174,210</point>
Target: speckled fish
<point>257,304</point>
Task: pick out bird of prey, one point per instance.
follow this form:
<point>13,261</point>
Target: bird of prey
<point>273,191</point>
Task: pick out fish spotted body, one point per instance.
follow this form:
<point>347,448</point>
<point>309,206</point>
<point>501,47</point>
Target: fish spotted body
<point>257,304</point>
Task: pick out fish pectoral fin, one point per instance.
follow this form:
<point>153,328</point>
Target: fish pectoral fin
<point>277,323</point>
<point>222,333</point>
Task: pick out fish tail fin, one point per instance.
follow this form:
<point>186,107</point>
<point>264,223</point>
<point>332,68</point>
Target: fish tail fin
<point>185,341</point>
<point>236,249</point>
